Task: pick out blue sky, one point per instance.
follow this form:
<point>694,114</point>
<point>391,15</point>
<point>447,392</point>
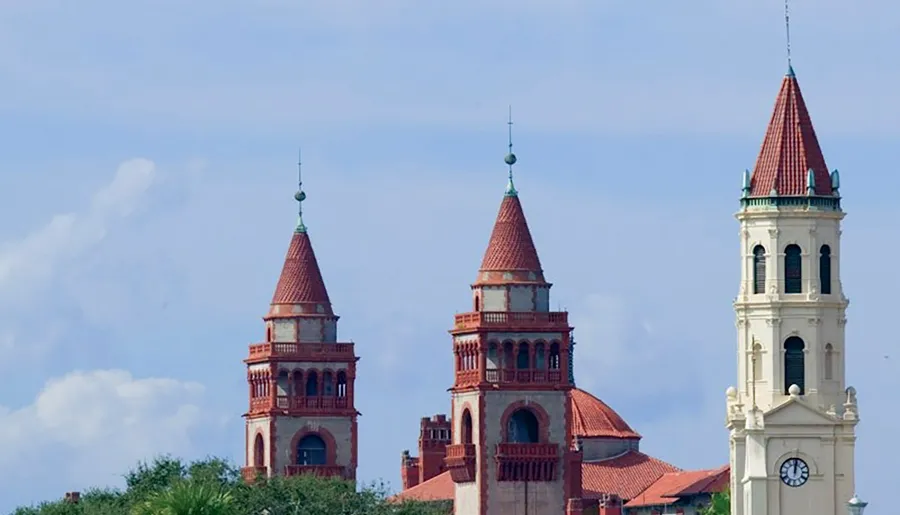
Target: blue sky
<point>148,168</point>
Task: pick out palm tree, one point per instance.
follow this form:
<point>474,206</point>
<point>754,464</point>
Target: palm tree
<point>719,504</point>
<point>187,498</point>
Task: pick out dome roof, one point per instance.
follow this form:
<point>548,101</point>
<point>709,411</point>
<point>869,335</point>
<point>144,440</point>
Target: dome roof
<point>592,418</point>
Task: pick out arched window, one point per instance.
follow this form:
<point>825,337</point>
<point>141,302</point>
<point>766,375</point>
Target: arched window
<point>259,452</point>
<point>477,303</point>
<point>312,384</point>
<point>297,383</point>
<point>523,360</point>
<point>509,357</point>
<point>522,427</point>
<point>327,383</point>
<point>342,384</point>
<point>540,358</point>
<point>825,269</point>
<point>829,362</point>
<point>493,356</point>
<point>793,265</point>
<point>794,371</point>
<point>269,333</point>
<point>759,269</point>
<point>466,427</point>
<point>283,384</point>
<point>311,451</point>
<point>554,356</point>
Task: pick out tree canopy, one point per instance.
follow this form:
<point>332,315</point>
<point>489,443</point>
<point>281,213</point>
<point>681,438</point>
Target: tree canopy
<point>720,504</point>
<point>168,486</point>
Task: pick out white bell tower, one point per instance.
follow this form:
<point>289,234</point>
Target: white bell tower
<point>791,416</point>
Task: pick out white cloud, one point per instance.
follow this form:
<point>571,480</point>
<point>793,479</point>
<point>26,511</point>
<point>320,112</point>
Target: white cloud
<point>92,425</point>
<point>26,265</point>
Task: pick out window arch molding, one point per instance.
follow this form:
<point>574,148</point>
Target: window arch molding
<point>794,363</point>
<point>825,269</point>
<point>543,419</point>
<point>466,426</point>
<point>793,268</point>
<point>259,450</point>
<point>760,258</point>
<point>321,432</point>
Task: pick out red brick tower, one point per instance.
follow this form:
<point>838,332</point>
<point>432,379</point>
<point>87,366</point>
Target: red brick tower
<point>302,417</point>
<point>512,448</point>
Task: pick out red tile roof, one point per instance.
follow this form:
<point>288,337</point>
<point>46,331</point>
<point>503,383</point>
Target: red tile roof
<point>674,485</point>
<point>511,247</point>
<point>789,149</point>
<point>301,281</point>
<point>438,488</point>
<point>626,475</point>
<point>591,417</point>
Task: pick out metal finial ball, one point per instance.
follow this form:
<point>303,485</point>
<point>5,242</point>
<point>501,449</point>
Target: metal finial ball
<point>300,196</point>
<point>510,159</point>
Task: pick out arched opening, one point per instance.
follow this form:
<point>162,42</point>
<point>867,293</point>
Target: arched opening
<point>829,362</point>
<point>553,362</point>
<point>477,303</point>
<point>493,356</point>
<point>466,427</point>
<point>312,384</point>
<point>297,383</point>
<point>794,367</point>
<point>268,333</point>
<point>327,383</point>
<point>508,355</point>
<point>793,266</point>
<point>341,384</point>
<point>259,452</point>
<point>540,357</point>
<point>283,384</point>
<point>825,269</point>
<point>522,427</point>
<point>759,269</point>
<point>523,360</point>
<point>311,451</point>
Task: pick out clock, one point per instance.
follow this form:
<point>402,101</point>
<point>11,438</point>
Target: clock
<point>794,472</point>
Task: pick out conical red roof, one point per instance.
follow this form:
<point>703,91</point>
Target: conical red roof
<point>301,281</point>
<point>511,248</point>
<point>790,149</point>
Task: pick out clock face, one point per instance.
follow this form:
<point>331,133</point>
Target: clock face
<point>794,472</point>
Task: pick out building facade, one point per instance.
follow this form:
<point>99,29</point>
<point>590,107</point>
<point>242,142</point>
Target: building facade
<point>791,416</point>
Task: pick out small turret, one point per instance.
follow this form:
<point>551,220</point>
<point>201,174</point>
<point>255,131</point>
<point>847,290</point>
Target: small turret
<point>835,182</point>
<point>745,188</point>
<point>810,182</point>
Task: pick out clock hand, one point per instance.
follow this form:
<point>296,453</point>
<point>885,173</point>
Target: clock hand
<point>795,467</point>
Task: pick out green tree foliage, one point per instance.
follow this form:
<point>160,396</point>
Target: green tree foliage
<point>168,486</point>
<point>720,504</point>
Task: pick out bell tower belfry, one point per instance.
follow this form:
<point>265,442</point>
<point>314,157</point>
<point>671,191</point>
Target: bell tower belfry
<point>512,450</point>
<point>301,417</point>
<point>791,416</point>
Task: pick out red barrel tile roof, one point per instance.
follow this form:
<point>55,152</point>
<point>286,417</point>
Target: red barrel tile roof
<point>789,149</point>
<point>511,247</point>
<point>626,475</point>
<point>592,418</point>
<point>301,281</point>
<point>674,485</point>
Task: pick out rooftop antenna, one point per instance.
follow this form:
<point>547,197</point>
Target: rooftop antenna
<point>787,31</point>
<point>510,160</point>
<point>300,196</point>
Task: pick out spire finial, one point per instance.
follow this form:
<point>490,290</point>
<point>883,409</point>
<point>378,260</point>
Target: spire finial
<point>787,31</point>
<point>300,196</point>
<point>510,159</point>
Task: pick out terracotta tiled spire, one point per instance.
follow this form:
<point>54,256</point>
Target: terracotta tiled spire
<point>511,247</point>
<point>790,149</point>
<point>301,283</point>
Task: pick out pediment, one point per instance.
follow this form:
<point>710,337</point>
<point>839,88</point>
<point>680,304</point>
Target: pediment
<point>796,412</point>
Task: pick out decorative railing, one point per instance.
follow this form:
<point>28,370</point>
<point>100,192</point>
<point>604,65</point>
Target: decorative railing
<point>524,320</point>
<point>337,351</point>
<point>460,461</point>
<point>250,474</point>
<point>498,376</point>
<point>814,202</point>
<point>284,402</point>
<point>527,461</point>
<point>315,470</point>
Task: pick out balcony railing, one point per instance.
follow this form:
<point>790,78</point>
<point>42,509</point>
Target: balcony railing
<point>251,473</point>
<point>316,470</point>
<point>307,404</point>
<point>497,376</point>
<point>523,320</point>
<point>527,461</point>
<point>324,351</point>
<point>460,461</point>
